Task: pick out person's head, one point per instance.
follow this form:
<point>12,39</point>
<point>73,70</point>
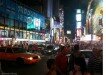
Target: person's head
<point>65,50</point>
<point>76,47</point>
<point>51,64</point>
<point>96,51</point>
<point>60,48</point>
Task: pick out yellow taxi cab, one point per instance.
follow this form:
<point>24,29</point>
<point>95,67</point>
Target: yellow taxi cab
<point>20,55</point>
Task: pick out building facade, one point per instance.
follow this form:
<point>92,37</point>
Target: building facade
<point>19,23</point>
<point>94,23</point>
<point>55,15</point>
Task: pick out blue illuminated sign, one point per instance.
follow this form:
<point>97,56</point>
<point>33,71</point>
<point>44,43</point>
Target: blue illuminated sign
<point>12,10</point>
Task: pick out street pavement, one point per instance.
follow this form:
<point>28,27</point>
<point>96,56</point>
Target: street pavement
<point>39,68</point>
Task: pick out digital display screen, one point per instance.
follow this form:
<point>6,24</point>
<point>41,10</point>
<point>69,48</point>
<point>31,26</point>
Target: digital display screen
<point>35,23</point>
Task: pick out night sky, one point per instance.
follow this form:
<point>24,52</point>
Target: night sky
<point>70,7</point>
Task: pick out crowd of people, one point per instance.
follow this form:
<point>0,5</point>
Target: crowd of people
<point>90,45</point>
<point>76,65</point>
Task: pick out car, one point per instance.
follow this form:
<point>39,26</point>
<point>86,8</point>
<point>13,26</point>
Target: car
<point>87,54</point>
<point>49,50</point>
<point>19,55</point>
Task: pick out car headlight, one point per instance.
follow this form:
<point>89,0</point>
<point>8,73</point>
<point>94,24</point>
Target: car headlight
<point>55,48</point>
<point>30,58</point>
<point>49,51</point>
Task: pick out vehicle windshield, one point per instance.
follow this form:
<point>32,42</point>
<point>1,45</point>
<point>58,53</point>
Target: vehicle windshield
<point>19,50</point>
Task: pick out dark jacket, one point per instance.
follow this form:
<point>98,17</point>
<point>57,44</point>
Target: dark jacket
<point>77,59</point>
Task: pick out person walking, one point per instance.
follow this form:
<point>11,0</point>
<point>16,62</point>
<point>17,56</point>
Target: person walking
<point>95,62</point>
<point>62,61</point>
<point>77,64</point>
<point>51,66</point>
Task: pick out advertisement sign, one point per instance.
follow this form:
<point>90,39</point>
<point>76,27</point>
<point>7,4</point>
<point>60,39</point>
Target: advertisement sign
<point>57,25</point>
<point>37,23</point>
<point>30,23</point>
<point>12,10</point>
<point>33,23</point>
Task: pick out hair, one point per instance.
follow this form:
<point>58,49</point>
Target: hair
<point>50,62</point>
<point>76,47</point>
<point>61,48</point>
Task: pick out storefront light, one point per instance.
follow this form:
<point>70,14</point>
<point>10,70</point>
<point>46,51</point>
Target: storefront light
<point>15,41</point>
<point>1,27</point>
<point>21,39</point>
<point>38,40</point>
<point>5,38</point>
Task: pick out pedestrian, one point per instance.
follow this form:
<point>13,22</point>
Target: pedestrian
<point>62,61</point>
<point>77,64</point>
<point>51,66</point>
<point>95,62</point>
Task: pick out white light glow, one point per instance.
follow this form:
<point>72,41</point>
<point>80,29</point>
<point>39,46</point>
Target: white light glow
<point>78,10</point>
<point>68,32</point>
<point>37,22</point>
<point>78,17</point>
<point>21,39</point>
<point>38,40</point>
<point>78,24</point>
<point>30,58</point>
<point>88,38</point>
<point>5,38</point>
<point>30,40</point>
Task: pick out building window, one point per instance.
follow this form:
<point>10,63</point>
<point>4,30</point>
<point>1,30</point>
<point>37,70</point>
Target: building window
<point>1,20</point>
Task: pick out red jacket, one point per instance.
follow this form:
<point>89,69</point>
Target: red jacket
<point>62,62</point>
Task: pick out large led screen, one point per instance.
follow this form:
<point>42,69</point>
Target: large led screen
<point>35,23</point>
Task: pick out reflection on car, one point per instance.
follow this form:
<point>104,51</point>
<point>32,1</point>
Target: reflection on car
<point>20,55</point>
<point>49,50</point>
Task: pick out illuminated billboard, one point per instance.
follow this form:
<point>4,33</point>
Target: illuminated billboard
<point>30,23</point>
<point>78,17</point>
<point>78,24</point>
<point>35,23</point>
